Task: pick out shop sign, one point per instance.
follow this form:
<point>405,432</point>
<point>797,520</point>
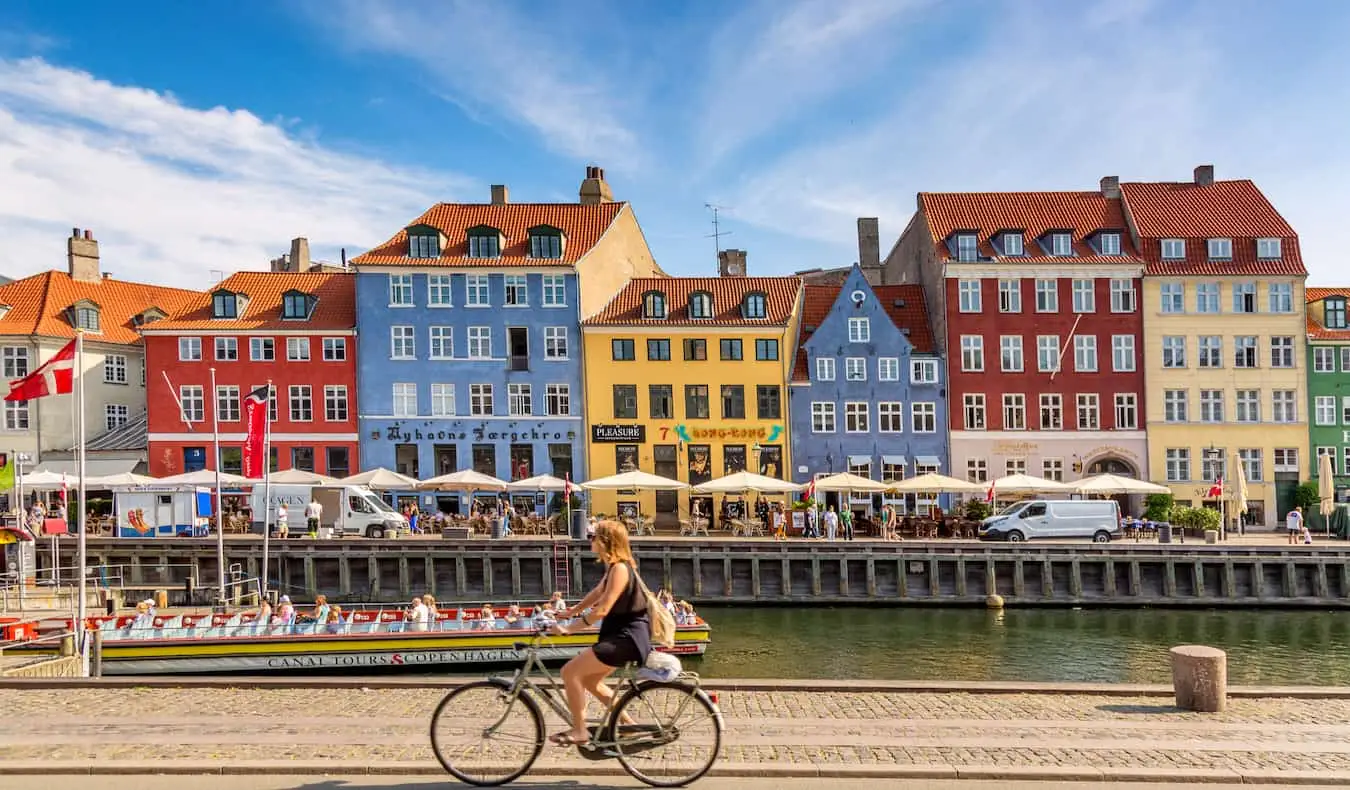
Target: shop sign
<point>614,434</point>
<point>479,433</point>
<point>690,433</point>
<point>1111,449</point>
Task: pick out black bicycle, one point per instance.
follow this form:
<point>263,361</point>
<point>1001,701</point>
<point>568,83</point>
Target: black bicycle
<point>489,732</point>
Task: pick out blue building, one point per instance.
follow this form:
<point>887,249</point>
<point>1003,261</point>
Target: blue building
<point>468,332</point>
<point>867,393</point>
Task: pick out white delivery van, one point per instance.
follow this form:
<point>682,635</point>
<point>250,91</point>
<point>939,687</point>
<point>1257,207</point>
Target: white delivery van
<point>348,510</point>
<point>1098,519</point>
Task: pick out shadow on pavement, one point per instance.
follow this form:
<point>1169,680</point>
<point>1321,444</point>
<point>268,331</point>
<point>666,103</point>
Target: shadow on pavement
<point>1142,709</point>
<point>448,781</point>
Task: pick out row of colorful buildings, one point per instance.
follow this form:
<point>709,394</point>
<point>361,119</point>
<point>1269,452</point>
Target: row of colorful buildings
<point>1156,330</point>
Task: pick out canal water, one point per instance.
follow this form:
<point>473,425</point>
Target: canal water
<point>1089,645</point>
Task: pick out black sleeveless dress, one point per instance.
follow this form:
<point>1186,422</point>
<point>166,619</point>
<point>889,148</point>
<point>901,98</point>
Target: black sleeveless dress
<point>626,631</point>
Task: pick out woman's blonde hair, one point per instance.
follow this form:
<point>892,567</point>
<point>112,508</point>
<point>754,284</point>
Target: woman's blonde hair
<point>611,542</point>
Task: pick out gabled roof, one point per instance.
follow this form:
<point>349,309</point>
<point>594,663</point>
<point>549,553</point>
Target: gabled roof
<point>581,225</point>
<point>134,435</point>
<point>1035,213</point>
<point>1317,331</point>
<point>38,305</point>
<point>625,309</point>
<point>1197,212</point>
<point>818,300</point>
<point>335,292</point>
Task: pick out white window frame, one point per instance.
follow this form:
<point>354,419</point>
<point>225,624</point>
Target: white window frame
<point>1177,463</point>
<point>262,349</point>
<point>1211,405</point>
<point>967,247</point>
<point>1088,411</point>
<point>334,349</point>
<point>923,371</point>
<point>440,290</point>
<point>973,413</point>
<point>443,399</point>
<point>402,342</point>
<point>1324,359</point>
<point>888,368</point>
<point>890,417</point>
<point>1122,296</point>
<point>1010,356</point>
<point>1209,350</point>
<point>1247,406</point>
<point>1085,354</point>
<point>1061,245</point>
<point>972,353</point>
<point>115,415</point>
<point>189,349</point>
<point>1284,406</point>
<point>297,349</point>
<point>336,404</point>
<point>823,417</point>
<point>923,417</point>
<point>1014,405</point>
<point>519,399</point>
<point>1324,410</point>
<point>515,290</point>
<point>855,369</point>
<point>115,368</point>
<point>556,342</point>
<point>1084,295</point>
<point>1176,406</point>
<point>968,296</point>
<point>1053,469</point>
<point>825,368</point>
<point>405,399</point>
<point>859,330</point>
<point>1208,298</point>
<point>227,402</point>
<point>1280,298</point>
<point>1243,344</point>
<point>1244,296</point>
<point>1051,405</point>
<point>299,398</point>
<point>481,400</point>
<point>401,290</point>
<point>1127,411</point>
<point>16,363</point>
<point>555,290</point>
<point>1013,244</point>
<point>1010,296</point>
<point>1219,249</point>
<point>1172,298</point>
<point>1172,249</point>
<point>558,400</point>
<point>857,417</point>
<point>479,342</point>
<point>1047,295</point>
<point>477,291</point>
<point>440,342</point>
<point>1122,353</point>
<point>1174,351</point>
<point>226,350</point>
<point>1269,249</point>
<point>1109,243</point>
<point>1282,351</point>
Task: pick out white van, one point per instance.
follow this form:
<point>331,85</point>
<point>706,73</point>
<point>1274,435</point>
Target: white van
<point>1098,519</point>
<point>349,510</point>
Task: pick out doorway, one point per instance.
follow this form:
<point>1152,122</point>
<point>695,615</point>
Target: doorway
<point>518,347</point>
<point>1130,505</point>
<point>665,463</point>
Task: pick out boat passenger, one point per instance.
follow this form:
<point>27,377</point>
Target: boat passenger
<point>285,611</point>
<point>418,615</point>
<point>430,601</point>
<point>265,619</point>
<point>334,621</point>
<point>513,615</point>
<point>145,617</point>
<point>487,620</point>
<point>556,601</point>
<point>684,613</point>
<point>321,609</point>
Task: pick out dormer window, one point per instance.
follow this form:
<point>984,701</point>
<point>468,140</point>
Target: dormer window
<point>754,306</point>
<point>1268,249</point>
<point>149,316</point>
<point>1334,317</point>
<point>1109,243</point>
<point>424,244</point>
<point>1061,244</point>
<point>1012,243</point>
<point>1173,249</point>
<point>1221,249</point>
<point>485,242</point>
<point>967,247</point>
<point>654,305</point>
<point>295,306</point>
<point>546,242</point>
<point>700,305</point>
<point>224,305</point>
<point>86,318</point>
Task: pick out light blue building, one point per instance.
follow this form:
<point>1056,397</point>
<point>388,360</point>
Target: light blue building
<point>867,394</point>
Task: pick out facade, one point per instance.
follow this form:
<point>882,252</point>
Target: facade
<point>1224,339</point>
<point>296,330</point>
<point>867,393</point>
<point>470,333</point>
<point>1033,298</point>
<point>1328,368</point>
<point>39,315</point>
<point>685,378</point>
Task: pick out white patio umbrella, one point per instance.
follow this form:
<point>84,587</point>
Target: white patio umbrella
<point>844,481</point>
<point>1240,491</point>
<point>463,480</point>
<point>635,479</point>
<point>934,483</point>
<point>539,483</point>
<point>747,481</point>
<point>205,478</point>
<point>1326,489</point>
<point>119,480</point>
<point>299,477</point>
<point>1026,484</point>
<point>379,479</point>
<point>42,480</point>
<point>1108,485</point>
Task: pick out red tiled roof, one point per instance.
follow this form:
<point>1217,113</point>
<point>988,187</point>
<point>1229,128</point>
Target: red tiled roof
<point>625,309</point>
<point>335,307</point>
<point>1197,212</point>
<point>1035,213</point>
<point>581,225</point>
<point>818,299</point>
<point>1315,330</point>
<point>38,305</point>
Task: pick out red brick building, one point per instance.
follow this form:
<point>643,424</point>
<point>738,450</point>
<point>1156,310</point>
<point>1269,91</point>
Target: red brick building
<point>296,330</point>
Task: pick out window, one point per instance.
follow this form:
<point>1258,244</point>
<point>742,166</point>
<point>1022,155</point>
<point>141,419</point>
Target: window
<point>859,330</point>
<point>700,305</point>
<point>1174,406</point>
<point>766,350</point>
<point>1178,464</point>
<point>1345,359</point>
<point>1052,412</point>
<point>189,349</point>
<point>1089,412</point>
<point>1324,360</point>
<point>1122,353</point>
<point>1053,469</point>
<point>695,349</point>
<point>972,353</point>
<point>768,402</point>
<point>754,306</point>
<point>115,415</point>
<point>625,402</point>
<point>441,342</point>
<point>1251,464</point>
<point>424,245</point>
<point>974,412</point>
<point>1283,406</point>
<point>224,305</point>
<point>558,400</point>
<point>438,290</point>
<point>622,350</point>
<point>968,296</point>
<point>295,306</point>
<point>730,348</point>
<point>1286,459</point>
<point>977,470</point>
<point>402,342</point>
<point>890,417</point>
<point>1268,249</point>
<point>1085,353</point>
<point>86,318</point>
<point>855,369</point>
<point>1173,298</point>
<point>658,349</point>
<point>923,417</point>
<point>654,305</point>
<point>1220,249</point>
<point>1281,297</point>
<point>545,243</point>
<point>1061,244</point>
<point>517,291</point>
<point>555,342</point>
<point>1248,405</point>
<point>1345,409</point>
<point>855,417</point>
<point>696,406</point>
<point>555,290</point>
<point>1207,298</point>
<point>1122,296</point>
<point>661,401</point>
<point>1174,351</point>
<point>1329,451</point>
<point>227,350</point>
<point>1211,351</point>
<point>476,291</point>
<point>519,400</point>
<point>480,400</point>
<point>1334,312</point>
<point>733,401</point>
<point>1014,413</point>
<point>1012,243</point>
<point>16,415</point>
<point>1173,249</point>
<point>1015,466</point>
<point>1282,352</point>
<point>261,349</point>
<point>1324,409</point>
<point>891,472</point>
<point>405,399</point>
<point>15,362</point>
<point>442,400</point>
<point>1084,300</point>
<point>1244,298</point>
<point>967,247</point>
<point>193,401</point>
<point>115,366</point>
<point>923,371</point>
<point>297,349</point>
<point>1244,351</point>
<point>1010,296</point>
<point>301,399</point>
<point>485,243</point>
<point>335,403</point>
<point>400,290</point>
<point>1047,296</point>
<point>1109,243</point>
<point>1211,405</point>
<point>227,403</point>
<point>822,417</point>
<point>824,368</point>
<point>1010,353</point>
<point>1213,465</point>
<point>888,369</point>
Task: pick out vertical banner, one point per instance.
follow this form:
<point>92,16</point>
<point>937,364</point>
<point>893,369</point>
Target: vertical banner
<point>255,420</point>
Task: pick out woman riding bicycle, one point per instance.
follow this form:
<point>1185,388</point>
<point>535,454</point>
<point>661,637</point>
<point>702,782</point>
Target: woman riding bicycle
<point>625,629</point>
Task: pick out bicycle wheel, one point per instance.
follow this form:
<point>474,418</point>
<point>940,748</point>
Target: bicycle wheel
<point>485,738</point>
<point>675,736</point>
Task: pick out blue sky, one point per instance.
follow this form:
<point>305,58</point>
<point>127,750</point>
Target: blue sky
<point>200,137</point>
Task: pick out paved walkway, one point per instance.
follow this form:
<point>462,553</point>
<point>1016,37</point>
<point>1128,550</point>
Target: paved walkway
<point>784,733</point>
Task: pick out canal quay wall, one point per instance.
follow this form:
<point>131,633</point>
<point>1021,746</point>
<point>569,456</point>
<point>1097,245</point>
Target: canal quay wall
<point>756,573</point>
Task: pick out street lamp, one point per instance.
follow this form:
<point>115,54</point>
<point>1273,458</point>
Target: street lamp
<point>1214,454</point>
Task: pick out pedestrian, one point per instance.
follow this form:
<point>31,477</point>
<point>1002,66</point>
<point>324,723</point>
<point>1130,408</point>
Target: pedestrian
<point>283,529</point>
<point>313,512</point>
<point>831,524</point>
<point>846,518</point>
<point>1293,521</point>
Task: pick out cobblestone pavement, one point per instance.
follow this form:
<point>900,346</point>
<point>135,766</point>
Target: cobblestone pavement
<point>351,726</point>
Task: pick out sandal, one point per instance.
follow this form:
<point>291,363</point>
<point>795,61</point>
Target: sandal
<point>567,739</point>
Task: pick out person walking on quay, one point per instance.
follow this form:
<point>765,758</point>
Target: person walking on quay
<point>831,524</point>
<point>846,518</point>
<point>1293,520</point>
<point>779,523</point>
<point>888,523</point>
<point>313,512</point>
<point>283,529</point>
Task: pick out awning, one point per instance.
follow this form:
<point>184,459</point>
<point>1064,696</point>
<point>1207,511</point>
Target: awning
<point>894,460</point>
<point>927,460</point>
<point>859,460</point>
<point>94,467</point>
<point>13,535</point>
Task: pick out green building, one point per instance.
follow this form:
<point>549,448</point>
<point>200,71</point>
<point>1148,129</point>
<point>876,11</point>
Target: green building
<point>1329,383</point>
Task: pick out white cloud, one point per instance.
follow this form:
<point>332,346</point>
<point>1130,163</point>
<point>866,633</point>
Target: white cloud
<point>174,192</point>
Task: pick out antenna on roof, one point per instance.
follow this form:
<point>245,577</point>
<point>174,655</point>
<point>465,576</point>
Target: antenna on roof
<point>717,233</point>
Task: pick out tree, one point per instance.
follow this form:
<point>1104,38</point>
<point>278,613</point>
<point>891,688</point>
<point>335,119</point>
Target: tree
<point>977,509</point>
<point>1157,507</point>
<point>1307,496</point>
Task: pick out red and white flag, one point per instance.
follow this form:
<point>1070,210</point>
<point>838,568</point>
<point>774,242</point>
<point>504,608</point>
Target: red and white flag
<point>255,420</point>
<point>989,495</point>
<point>56,376</point>
<point>567,487</point>
<point>1216,490</point>
<point>809,492</point>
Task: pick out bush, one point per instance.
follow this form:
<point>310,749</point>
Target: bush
<point>1157,507</point>
<point>1307,496</point>
<point>804,504</point>
<point>1195,518</point>
<point>977,509</point>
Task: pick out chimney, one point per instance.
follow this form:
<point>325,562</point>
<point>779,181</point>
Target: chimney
<point>595,190</point>
<point>869,243</point>
<point>731,263</point>
<point>1110,186</point>
<point>1204,175</point>
<point>299,254</point>
<point>82,256</point>
<point>500,195</point>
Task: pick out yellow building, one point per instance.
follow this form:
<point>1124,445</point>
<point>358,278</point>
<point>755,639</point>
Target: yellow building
<point>686,378</point>
<point>1224,340</point>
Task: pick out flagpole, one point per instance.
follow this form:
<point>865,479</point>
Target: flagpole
<point>81,631</point>
<point>220,499</point>
<point>267,483</point>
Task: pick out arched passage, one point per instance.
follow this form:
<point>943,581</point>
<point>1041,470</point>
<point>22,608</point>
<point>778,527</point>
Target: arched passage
<point>1113,465</point>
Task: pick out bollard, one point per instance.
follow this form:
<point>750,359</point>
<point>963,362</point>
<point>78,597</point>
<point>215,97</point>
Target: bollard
<point>993,601</point>
<point>96,654</point>
<point>1200,678</point>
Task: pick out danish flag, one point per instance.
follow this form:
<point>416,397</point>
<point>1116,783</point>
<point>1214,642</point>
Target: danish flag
<point>1216,490</point>
<point>989,495</point>
<point>56,376</point>
<point>567,487</point>
<point>809,492</point>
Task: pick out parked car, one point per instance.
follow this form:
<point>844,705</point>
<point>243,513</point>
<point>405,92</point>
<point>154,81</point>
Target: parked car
<point>1098,519</point>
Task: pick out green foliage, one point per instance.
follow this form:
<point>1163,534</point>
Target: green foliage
<point>1157,507</point>
<point>1307,497</point>
<point>805,504</point>
<point>1197,519</point>
<point>977,509</point>
<point>556,505</point>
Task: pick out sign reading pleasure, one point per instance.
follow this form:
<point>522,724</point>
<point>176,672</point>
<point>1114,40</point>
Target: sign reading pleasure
<point>635,434</point>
